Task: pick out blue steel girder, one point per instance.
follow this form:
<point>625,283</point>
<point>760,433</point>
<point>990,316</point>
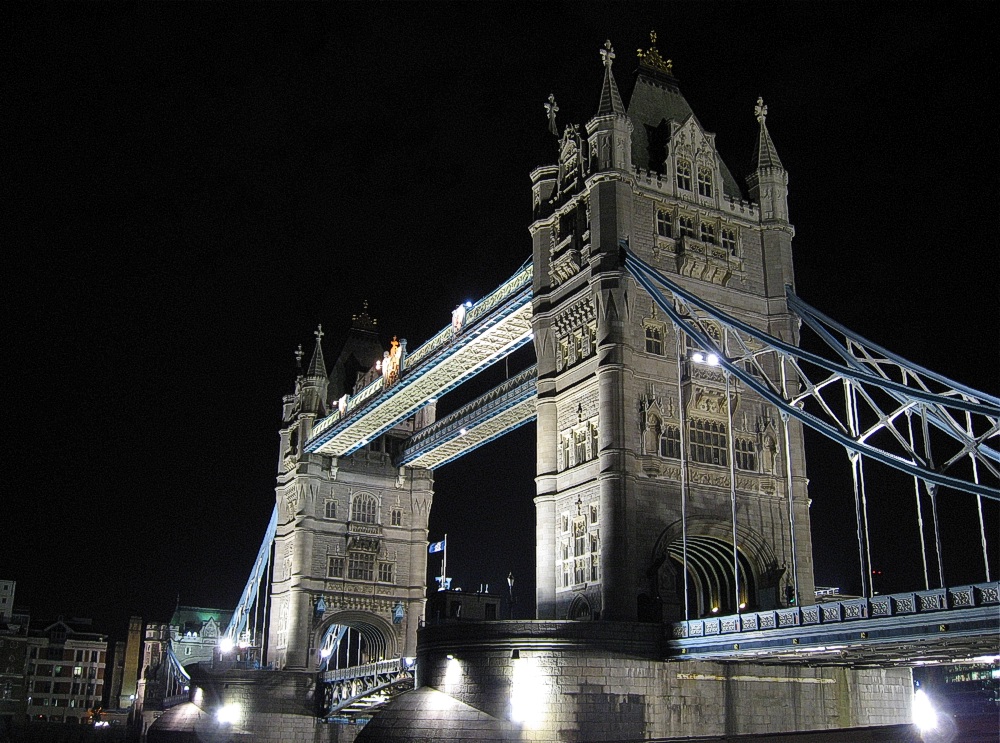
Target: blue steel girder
<point>501,410</point>
<point>241,614</point>
<point>891,403</point>
<point>493,328</point>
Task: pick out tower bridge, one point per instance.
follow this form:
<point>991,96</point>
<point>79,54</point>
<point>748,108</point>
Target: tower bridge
<point>674,564</point>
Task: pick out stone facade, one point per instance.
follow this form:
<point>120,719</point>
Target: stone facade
<point>350,551</point>
<point>639,433</point>
<point>580,681</point>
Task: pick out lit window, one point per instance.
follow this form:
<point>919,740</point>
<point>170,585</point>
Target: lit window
<point>684,175</point>
<point>365,508</point>
<point>729,241</point>
<point>331,509</point>
<point>708,442</point>
<point>708,233</point>
<point>654,339</point>
<point>670,442</point>
<point>704,180</point>
<point>335,567</point>
<point>664,224</point>
<point>687,226</point>
<point>746,454</point>
<point>361,566</point>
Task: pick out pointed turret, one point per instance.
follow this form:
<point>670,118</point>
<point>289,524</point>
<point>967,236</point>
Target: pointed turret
<point>766,155</point>
<point>317,367</point>
<point>768,185</point>
<point>609,133</point>
<point>611,100</point>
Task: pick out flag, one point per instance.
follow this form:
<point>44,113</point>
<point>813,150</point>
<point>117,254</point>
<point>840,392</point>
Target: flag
<point>436,547</point>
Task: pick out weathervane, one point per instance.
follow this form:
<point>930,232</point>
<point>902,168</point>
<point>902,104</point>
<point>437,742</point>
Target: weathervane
<point>550,110</point>
<point>760,110</point>
<point>607,53</point>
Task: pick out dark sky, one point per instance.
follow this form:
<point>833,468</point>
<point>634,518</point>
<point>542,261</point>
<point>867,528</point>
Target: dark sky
<point>189,189</point>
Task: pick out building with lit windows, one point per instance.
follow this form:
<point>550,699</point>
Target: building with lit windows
<point>66,671</point>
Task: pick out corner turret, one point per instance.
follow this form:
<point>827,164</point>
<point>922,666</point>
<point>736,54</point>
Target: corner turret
<point>609,133</point>
<point>768,186</point>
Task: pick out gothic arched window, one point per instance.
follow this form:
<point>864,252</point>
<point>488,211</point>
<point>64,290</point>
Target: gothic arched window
<point>684,175</point>
<point>746,454</point>
<point>670,442</point>
<point>654,339</point>
<point>729,241</point>
<point>687,226</point>
<point>708,233</point>
<point>704,180</point>
<point>364,509</point>
<point>664,223</point>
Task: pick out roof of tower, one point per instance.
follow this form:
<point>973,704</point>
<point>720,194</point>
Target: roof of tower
<point>656,101</point>
<point>358,355</point>
<point>611,100</point>
<point>317,367</point>
<point>766,155</point>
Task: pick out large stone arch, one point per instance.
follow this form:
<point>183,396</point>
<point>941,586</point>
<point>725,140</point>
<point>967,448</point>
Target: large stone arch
<point>712,585</point>
<point>374,637</point>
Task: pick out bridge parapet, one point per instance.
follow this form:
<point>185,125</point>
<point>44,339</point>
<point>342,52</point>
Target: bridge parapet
<point>902,628</point>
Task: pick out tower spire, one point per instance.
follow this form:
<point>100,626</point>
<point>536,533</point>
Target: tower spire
<point>766,155</point>
<point>611,100</point>
<point>317,367</point>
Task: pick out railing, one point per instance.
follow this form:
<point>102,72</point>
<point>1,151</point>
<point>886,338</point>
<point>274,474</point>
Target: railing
<point>845,610</point>
<point>396,665</point>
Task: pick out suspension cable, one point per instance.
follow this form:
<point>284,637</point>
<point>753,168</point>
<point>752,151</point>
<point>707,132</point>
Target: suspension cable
<point>678,340</point>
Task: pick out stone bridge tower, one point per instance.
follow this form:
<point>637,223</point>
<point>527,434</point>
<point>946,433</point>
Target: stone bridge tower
<point>350,550</point>
<point>639,433</point>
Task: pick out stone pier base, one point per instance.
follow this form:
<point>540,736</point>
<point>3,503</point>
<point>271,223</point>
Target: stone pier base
<point>605,681</point>
<point>261,707</point>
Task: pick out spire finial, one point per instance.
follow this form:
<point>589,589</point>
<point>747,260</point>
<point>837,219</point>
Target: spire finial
<point>318,332</point>
<point>550,110</point>
<point>607,53</point>
<point>299,353</point>
<point>760,110</point>
<point>651,57</point>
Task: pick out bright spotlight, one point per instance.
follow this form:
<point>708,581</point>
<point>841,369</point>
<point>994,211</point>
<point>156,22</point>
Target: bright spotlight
<point>712,360</point>
<point>924,715</point>
<point>225,644</point>
<point>527,693</point>
<point>228,714</point>
<point>698,357</point>
<point>452,674</point>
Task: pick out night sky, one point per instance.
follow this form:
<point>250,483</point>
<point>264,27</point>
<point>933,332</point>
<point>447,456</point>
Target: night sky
<point>189,189</point>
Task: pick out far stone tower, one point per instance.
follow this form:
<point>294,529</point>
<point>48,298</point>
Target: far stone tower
<point>350,549</point>
<point>639,433</point>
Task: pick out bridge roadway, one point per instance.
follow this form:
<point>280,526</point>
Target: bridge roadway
<point>488,331</point>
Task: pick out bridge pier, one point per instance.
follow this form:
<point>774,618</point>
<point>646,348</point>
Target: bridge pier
<point>257,706</point>
<point>607,681</point>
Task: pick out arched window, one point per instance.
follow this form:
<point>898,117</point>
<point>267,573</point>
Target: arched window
<point>684,175</point>
<point>687,226</point>
<point>664,223</point>
<point>331,509</point>
<point>670,442</point>
<point>704,180</point>
<point>708,233</point>
<point>729,241</point>
<point>364,509</point>
<point>746,454</point>
<point>708,442</point>
<point>654,339</point>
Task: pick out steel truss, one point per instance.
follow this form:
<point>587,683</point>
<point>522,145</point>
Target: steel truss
<point>869,400</point>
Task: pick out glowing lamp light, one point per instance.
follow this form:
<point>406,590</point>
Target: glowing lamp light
<point>698,357</point>
<point>527,693</point>
<point>228,714</point>
<point>468,304</point>
<point>225,644</point>
<point>924,715</point>
<point>463,432</point>
<point>452,674</point>
<point>712,360</point>
<point>326,652</point>
<point>715,609</point>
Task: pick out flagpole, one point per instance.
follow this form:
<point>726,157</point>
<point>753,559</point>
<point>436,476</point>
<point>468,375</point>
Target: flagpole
<point>444,563</point>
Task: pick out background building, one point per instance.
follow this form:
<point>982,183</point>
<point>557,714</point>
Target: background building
<point>66,671</point>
